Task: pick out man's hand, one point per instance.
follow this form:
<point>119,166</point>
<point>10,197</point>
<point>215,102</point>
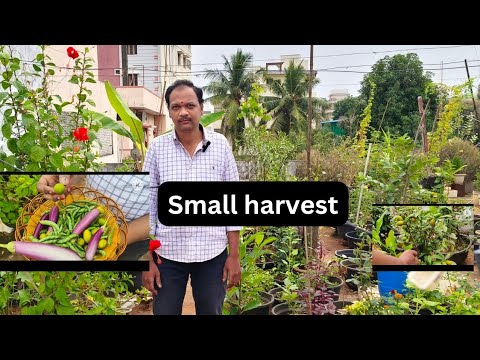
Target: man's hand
<point>152,277</point>
<point>408,257</point>
<point>233,270</point>
<point>47,182</point>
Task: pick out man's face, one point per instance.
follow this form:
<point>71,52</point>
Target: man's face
<point>185,110</point>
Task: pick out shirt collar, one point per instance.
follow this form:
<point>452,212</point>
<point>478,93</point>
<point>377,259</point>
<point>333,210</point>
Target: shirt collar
<point>206,135</point>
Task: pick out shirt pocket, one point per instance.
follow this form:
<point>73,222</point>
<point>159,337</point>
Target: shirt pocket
<point>211,171</point>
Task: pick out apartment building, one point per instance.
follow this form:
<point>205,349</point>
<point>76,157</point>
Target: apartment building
<point>140,74</point>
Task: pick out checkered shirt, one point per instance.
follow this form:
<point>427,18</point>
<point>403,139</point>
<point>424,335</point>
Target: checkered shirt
<point>168,160</point>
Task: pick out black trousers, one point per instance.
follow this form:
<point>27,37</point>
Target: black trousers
<point>208,289</point>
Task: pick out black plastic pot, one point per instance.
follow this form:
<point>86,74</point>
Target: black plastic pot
<point>267,265</point>
<point>337,287</point>
<point>280,309</point>
<point>341,305</point>
<point>277,294</point>
<point>352,269</point>
<point>341,230</point>
<point>264,309</point>
<point>350,253</point>
<point>354,239</point>
<point>459,257</point>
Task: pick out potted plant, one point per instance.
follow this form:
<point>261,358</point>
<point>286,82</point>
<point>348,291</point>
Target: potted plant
<point>457,165</point>
<point>250,297</point>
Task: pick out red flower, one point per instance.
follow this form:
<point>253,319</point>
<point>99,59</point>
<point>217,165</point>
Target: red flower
<point>154,244</point>
<point>81,134</point>
<point>71,52</point>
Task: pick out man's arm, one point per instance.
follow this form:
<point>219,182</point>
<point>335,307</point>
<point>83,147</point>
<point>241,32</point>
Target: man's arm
<point>138,229</point>
<point>408,257</point>
<point>233,243</point>
<point>151,166</point>
<point>232,267</point>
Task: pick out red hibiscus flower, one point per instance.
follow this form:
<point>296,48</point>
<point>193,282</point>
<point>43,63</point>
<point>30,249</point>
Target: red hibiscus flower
<point>81,134</point>
<point>71,52</point>
<point>154,244</point>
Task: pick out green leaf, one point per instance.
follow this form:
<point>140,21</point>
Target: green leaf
<point>127,116</point>
<point>108,123</point>
<point>24,297</point>
<point>14,67</point>
<point>58,108</point>
<point>64,310</point>
<point>56,160</point>
<point>7,130</point>
<point>37,153</point>
<point>74,79</point>
<point>390,241</point>
<point>24,277</point>
<point>62,297</point>
<point>30,310</point>
<point>36,67</point>
<point>19,85</point>
<point>46,305</point>
<point>90,80</point>
<point>26,141</point>
<point>3,95</point>
<point>208,119</point>
<point>74,167</point>
<point>12,145</point>
<point>28,105</point>
<point>27,119</point>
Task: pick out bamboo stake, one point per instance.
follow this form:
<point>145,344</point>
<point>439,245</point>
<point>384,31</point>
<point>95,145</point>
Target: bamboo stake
<point>361,189</point>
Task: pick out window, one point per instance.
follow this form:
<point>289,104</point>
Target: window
<point>139,114</point>
<point>179,60</point>
<point>131,49</point>
<point>132,80</point>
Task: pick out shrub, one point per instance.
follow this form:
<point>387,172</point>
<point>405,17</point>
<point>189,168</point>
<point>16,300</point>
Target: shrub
<point>466,151</point>
<point>338,164</point>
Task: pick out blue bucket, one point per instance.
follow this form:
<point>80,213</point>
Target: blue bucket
<point>392,280</point>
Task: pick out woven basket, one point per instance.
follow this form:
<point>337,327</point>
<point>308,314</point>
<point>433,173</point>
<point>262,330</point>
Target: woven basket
<point>115,217</point>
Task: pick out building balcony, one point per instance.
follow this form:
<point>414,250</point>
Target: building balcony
<point>140,98</point>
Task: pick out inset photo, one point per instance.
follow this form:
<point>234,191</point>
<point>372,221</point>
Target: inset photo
<point>409,235</point>
<point>73,217</point>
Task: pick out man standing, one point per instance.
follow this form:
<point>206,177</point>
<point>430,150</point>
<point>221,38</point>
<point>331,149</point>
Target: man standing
<point>190,153</point>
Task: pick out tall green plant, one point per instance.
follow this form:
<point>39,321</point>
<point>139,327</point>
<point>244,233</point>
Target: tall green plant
<point>361,137</point>
<point>42,131</point>
<point>449,119</point>
<point>252,109</point>
<point>269,152</point>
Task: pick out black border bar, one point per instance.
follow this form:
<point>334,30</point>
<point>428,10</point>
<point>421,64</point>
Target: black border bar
<point>422,268</point>
<point>114,265</point>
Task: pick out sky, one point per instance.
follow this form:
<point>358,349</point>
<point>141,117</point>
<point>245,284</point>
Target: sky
<point>343,66</point>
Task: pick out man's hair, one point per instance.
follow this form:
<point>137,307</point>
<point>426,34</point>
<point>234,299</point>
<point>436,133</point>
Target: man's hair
<point>188,83</point>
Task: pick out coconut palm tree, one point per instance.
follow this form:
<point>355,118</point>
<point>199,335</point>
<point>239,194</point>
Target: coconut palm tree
<point>228,87</point>
<point>289,104</point>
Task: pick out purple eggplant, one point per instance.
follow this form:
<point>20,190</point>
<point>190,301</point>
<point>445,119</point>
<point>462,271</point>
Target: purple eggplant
<point>53,217</point>
<point>86,221</point>
<point>39,251</point>
<point>39,227</point>
<point>93,245</point>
